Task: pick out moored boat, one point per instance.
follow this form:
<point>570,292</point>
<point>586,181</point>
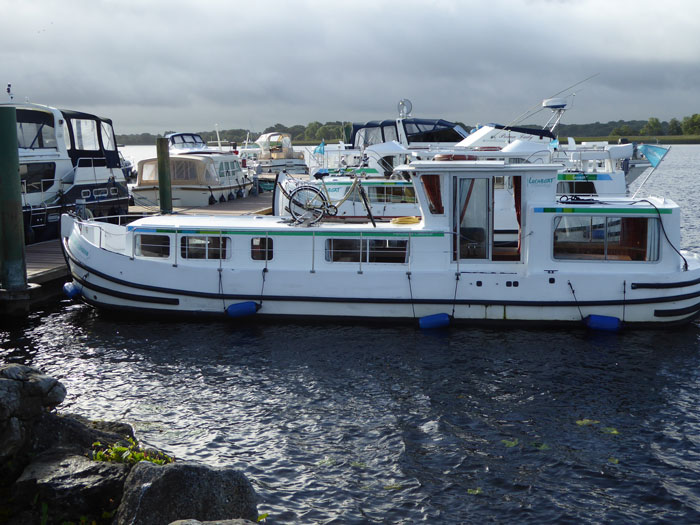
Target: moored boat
<point>66,159</point>
<point>199,175</point>
<point>607,262</point>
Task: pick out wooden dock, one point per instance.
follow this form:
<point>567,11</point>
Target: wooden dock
<point>47,270</point>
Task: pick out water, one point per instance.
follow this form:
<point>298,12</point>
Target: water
<point>388,424</point>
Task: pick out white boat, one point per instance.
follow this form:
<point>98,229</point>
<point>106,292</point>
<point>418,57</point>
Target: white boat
<point>607,262</point>
<point>199,175</point>
<point>66,157</point>
<point>274,153</point>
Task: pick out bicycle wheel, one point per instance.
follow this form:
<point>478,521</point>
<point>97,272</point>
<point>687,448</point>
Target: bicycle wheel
<point>307,203</point>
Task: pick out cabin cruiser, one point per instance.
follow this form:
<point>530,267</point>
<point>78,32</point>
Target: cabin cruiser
<point>604,262</point>
<point>273,152</point>
<point>199,175</point>
<point>383,144</point>
<point>67,159</point>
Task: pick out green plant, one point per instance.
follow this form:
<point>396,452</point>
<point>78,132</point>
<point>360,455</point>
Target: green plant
<point>128,451</point>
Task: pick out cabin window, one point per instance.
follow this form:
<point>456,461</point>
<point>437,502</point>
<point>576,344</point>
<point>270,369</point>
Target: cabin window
<point>431,184</point>
<point>149,171</point>
<point>472,218</point>
<point>37,177</point>
<point>391,194</point>
<point>261,248</point>
<point>606,238</point>
<point>576,187</point>
<point>367,250</point>
<point>390,133</point>
<point>204,247</point>
<point>107,136</point>
<point>183,170</point>
<point>85,134</point>
<point>149,245</point>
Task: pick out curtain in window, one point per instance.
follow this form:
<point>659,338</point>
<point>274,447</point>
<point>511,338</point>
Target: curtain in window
<point>431,183</point>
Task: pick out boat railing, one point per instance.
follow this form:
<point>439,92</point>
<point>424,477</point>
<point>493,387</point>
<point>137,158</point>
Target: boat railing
<point>44,186</point>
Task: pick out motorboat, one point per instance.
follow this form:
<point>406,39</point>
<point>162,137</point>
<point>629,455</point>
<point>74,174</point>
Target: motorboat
<point>383,144</point>
<point>604,262</point>
<point>67,159</point>
<point>273,152</point>
<point>199,175</point>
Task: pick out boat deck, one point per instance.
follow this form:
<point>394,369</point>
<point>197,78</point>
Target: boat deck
<point>47,267</point>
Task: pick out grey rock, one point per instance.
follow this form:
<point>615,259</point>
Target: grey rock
<point>218,522</point>
<point>159,495</point>
<point>71,485</point>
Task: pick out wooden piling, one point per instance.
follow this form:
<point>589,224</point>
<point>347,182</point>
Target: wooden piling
<point>165,193</point>
<point>13,271</point>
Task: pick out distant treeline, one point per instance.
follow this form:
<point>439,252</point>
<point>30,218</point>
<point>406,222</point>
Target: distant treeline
<point>334,131</point>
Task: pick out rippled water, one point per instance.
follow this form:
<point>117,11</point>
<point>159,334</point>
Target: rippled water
<point>388,424</point>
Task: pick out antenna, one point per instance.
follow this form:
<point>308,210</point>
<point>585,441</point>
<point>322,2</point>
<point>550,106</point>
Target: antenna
<point>530,112</point>
<point>405,108</point>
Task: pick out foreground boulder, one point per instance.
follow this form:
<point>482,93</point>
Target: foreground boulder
<point>48,476</point>
<point>159,495</point>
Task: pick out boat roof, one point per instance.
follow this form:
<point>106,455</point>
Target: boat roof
<point>414,127</point>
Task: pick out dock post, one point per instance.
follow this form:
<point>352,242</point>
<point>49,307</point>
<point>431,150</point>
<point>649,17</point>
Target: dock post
<point>15,293</point>
<point>13,275</point>
<point>164,188</point>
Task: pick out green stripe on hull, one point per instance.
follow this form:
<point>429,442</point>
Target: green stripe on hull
<point>607,211</point>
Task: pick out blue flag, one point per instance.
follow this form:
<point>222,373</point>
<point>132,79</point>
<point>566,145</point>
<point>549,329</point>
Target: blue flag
<point>654,154</point>
<point>321,148</point>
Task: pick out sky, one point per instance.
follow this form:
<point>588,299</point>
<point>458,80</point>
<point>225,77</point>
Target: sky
<point>154,66</point>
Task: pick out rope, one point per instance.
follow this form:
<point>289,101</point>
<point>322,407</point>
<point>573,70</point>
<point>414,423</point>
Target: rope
<point>454,299</point>
<point>576,300</point>
<point>410,289</point>
<point>405,220</point>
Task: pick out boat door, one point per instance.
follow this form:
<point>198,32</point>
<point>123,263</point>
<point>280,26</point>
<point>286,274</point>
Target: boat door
<point>478,227</point>
<point>472,218</point>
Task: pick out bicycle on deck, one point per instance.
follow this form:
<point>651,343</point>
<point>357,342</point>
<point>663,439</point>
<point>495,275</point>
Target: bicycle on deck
<point>308,203</point>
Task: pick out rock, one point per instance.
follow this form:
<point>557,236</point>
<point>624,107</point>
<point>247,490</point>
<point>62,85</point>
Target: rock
<point>159,495</point>
<point>25,395</point>
<point>218,522</point>
<point>70,485</point>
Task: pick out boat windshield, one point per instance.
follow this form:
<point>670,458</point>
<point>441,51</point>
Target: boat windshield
<point>186,141</point>
<point>35,129</point>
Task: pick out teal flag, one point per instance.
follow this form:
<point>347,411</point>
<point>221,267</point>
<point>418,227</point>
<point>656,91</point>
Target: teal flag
<point>654,154</point>
<point>321,148</point>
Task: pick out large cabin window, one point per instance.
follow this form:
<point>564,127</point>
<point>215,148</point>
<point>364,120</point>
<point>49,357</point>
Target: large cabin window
<point>85,134</point>
<point>204,247</point>
<point>367,250</point>
<point>149,245</point>
<point>606,238</point>
<point>472,218</point>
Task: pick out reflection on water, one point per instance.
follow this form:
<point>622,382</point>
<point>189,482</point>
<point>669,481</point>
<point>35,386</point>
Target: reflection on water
<point>358,424</point>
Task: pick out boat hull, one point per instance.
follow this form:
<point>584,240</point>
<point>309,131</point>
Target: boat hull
<point>477,297</point>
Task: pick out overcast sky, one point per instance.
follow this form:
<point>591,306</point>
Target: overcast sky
<point>153,65</point>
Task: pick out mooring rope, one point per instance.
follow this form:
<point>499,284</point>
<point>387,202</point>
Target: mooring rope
<point>576,300</point>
